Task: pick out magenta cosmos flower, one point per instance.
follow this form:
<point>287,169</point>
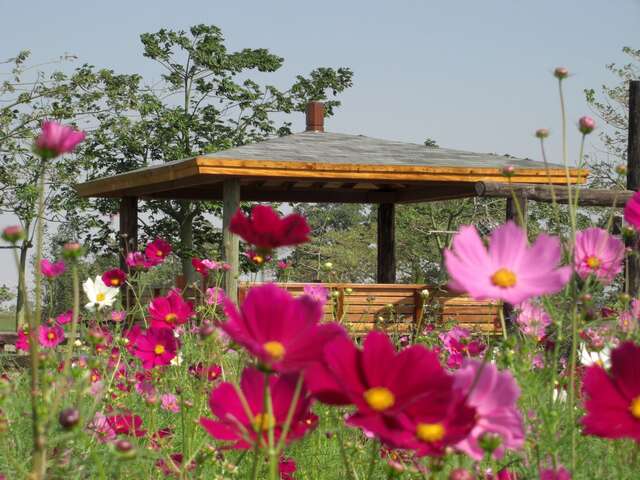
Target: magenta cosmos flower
<point>632,211</point>
<point>157,251</point>
<point>51,270</point>
<point>114,277</point>
<point>598,253</point>
<point>266,230</point>
<point>404,398</point>
<point>56,139</point>
<point>613,398</point>
<point>232,423</point>
<point>552,474</point>
<point>283,332</point>
<point>170,311</point>
<point>50,336</point>
<point>494,395</point>
<point>509,269</point>
<point>155,347</point>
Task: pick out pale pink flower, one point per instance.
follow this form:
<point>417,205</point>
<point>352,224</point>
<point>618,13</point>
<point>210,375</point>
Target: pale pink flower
<point>598,253</point>
<point>317,292</point>
<point>532,320</point>
<point>494,394</point>
<point>102,429</point>
<point>510,269</point>
<point>211,265</point>
<point>169,402</point>
<point>118,316</point>
<point>215,296</point>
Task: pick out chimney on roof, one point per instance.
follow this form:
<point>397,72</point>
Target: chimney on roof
<point>315,117</point>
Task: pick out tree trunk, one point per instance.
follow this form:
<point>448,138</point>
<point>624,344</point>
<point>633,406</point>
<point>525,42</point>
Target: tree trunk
<point>186,242</point>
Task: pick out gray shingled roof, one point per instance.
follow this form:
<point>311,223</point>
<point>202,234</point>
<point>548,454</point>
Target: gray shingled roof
<point>326,147</point>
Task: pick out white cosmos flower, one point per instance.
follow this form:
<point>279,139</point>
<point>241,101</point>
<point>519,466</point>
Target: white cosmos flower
<point>602,357</point>
<point>99,294</point>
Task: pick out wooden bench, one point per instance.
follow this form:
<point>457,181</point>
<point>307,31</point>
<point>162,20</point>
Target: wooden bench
<point>400,308</point>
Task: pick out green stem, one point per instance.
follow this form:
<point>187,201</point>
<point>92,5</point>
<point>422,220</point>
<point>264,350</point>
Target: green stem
<point>290,412</point>
<point>372,459</point>
<point>271,450</point>
<point>351,474</point>
<point>74,318</point>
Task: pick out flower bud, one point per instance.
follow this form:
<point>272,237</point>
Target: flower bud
<point>348,291</point>
<point>586,125</point>
<point>72,250</point>
<point>69,418</point>
<point>621,169</point>
<point>624,298</point>
<point>206,330</point>
<point>586,298</point>
<point>125,448</point>
<point>508,171</point>
<point>424,293</point>
<point>13,234</point>
<point>561,73</point>
<point>489,442</point>
<point>542,133</point>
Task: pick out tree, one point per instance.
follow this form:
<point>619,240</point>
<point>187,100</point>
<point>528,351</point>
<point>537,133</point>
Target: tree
<point>205,102</point>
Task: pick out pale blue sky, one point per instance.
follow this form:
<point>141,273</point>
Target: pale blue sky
<point>474,75</point>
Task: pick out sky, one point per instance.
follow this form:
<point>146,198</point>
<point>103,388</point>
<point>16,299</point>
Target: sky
<point>472,75</point>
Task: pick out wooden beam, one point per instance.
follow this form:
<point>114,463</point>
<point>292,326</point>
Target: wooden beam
<point>128,228</point>
<point>231,242</point>
<point>633,174</point>
<point>588,197</point>
<point>386,243</point>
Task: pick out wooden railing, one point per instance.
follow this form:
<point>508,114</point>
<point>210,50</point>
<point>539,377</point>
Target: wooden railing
<point>400,308</point>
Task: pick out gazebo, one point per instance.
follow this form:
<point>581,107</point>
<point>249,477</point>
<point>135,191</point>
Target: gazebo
<point>323,167</point>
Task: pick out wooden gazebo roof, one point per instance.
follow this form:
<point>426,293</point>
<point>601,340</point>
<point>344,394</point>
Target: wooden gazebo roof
<point>318,166</point>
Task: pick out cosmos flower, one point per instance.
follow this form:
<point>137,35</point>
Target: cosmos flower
<point>51,270</point>
<point>532,320</point>
<point>157,251</point>
<point>50,336</point>
<point>267,230</point>
<point>155,347</point>
<point>632,211</point>
<point>509,269</point>
<point>98,294</point>
<point>114,278</point>
<point>613,398</point>
<point>170,311</point>
<point>232,423</point>
<point>283,332</point>
<point>598,253</point>
<point>65,317</point>
<point>57,139</point>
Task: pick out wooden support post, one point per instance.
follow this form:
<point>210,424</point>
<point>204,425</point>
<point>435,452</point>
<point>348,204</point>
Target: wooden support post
<point>128,228</point>
<point>512,209</point>
<point>386,243</point>
<point>633,174</point>
<point>231,242</point>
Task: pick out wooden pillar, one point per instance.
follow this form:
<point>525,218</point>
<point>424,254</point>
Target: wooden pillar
<point>128,228</point>
<point>633,173</point>
<point>512,210</point>
<point>386,243</point>
<point>231,242</point>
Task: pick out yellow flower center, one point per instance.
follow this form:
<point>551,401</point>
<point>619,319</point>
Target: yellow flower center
<point>170,317</point>
<point>258,259</point>
<point>115,282</point>
<point>430,432</point>
<point>159,350</point>
<point>51,336</point>
<point>275,350</point>
<point>593,262</point>
<point>159,253</point>
<point>379,398</point>
<point>635,407</point>
<point>263,422</point>
<point>100,297</point>
<point>503,278</point>
<point>94,378</point>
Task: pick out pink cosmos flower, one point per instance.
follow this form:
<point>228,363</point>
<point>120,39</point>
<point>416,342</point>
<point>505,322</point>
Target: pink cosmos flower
<point>317,292</point>
<point>286,467</point>
<point>552,474</point>
<point>22,343</point>
<point>532,320</point>
<point>282,265</point>
<point>200,267</point>
<point>56,139</point>
<point>101,428</point>
<point>494,395</point>
<point>118,316</point>
<point>157,251</point>
<point>211,265</point>
<point>136,260</point>
<point>126,425</point>
<point>418,410</point>
<point>509,270</point>
<point>632,211</point>
<point>51,270</point>
<point>267,230</point>
<point>170,311</point>
<point>65,317</point>
<point>156,347</point>
<point>169,402</point>
<point>50,336</point>
<point>598,253</point>
<point>281,331</point>
<point>174,469</point>
<point>114,278</point>
<point>232,424</point>
<point>214,296</point>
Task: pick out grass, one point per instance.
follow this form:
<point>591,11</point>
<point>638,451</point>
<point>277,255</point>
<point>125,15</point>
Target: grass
<point>7,321</point>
